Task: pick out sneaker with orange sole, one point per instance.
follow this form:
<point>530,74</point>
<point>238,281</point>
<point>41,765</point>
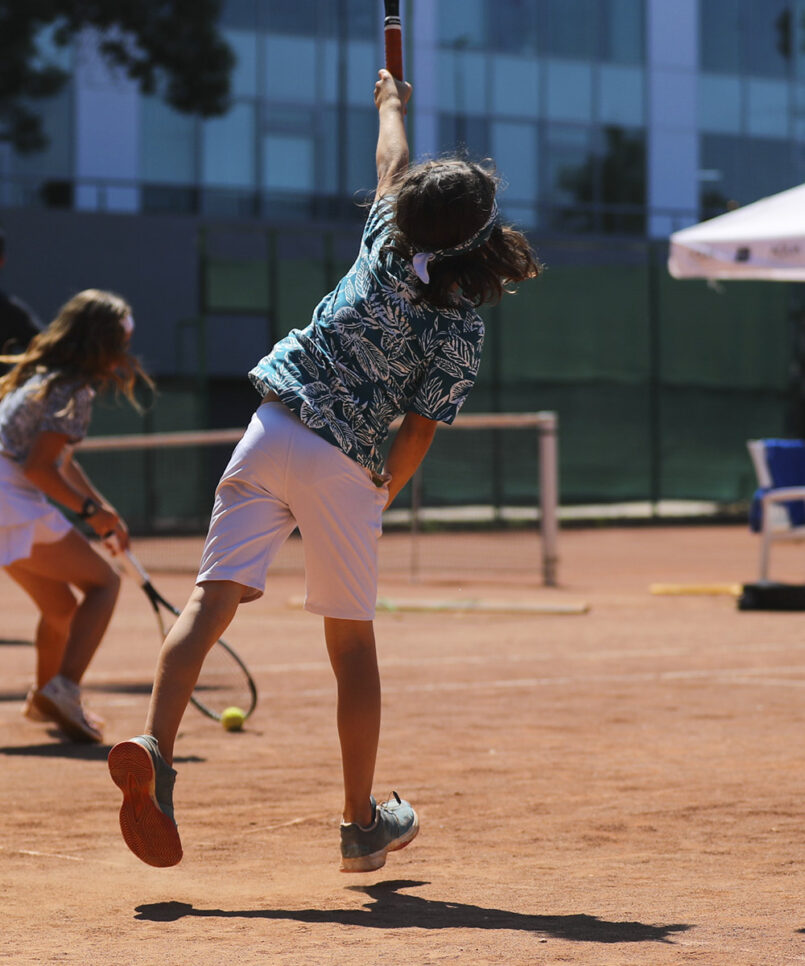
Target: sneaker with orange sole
<point>146,815</point>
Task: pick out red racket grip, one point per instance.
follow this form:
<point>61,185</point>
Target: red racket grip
<point>392,32</point>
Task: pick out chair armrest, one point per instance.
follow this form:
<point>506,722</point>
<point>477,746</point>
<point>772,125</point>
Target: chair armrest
<point>785,494</point>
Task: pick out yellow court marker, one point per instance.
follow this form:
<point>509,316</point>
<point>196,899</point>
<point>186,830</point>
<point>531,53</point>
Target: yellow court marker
<point>696,590</point>
<point>475,606</point>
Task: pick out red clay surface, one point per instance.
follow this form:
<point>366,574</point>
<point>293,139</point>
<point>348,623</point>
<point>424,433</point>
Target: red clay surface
<point>623,787</point>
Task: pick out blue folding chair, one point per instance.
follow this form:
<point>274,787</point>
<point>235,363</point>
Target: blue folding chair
<point>778,506</point>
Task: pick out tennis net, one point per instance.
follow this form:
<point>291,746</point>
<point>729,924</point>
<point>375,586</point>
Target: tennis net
<point>486,473</point>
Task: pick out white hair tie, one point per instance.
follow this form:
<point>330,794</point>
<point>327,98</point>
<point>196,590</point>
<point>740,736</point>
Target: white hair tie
<point>421,260</point>
<point>128,324</point>
<point>420,263</point>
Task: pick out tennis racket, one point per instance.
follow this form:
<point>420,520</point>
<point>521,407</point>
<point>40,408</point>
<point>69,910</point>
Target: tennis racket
<point>224,681</point>
<point>392,33</point>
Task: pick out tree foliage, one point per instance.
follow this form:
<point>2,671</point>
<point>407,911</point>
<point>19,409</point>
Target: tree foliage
<point>170,45</point>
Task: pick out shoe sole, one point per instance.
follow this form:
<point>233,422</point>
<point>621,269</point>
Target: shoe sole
<point>150,834</point>
<point>73,729</point>
<point>369,863</point>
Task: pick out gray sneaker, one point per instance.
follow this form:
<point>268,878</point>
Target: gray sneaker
<point>60,701</point>
<point>394,825</point>
<point>146,815</point>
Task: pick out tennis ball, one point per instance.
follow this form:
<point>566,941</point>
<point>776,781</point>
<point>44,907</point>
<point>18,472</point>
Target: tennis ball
<point>232,719</point>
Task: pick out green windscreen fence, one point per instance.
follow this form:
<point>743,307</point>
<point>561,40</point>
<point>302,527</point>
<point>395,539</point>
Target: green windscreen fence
<point>657,383</point>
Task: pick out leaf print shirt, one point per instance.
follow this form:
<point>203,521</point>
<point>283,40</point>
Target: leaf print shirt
<point>370,354</point>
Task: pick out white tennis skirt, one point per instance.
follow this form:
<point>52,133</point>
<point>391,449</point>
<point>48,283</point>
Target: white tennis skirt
<point>26,517</point>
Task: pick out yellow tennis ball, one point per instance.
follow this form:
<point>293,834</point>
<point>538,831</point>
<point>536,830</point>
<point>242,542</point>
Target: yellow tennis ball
<point>232,719</point>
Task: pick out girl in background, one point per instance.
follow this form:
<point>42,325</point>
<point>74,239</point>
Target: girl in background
<point>45,408</point>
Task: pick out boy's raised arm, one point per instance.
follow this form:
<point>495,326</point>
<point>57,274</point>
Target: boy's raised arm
<point>391,96</point>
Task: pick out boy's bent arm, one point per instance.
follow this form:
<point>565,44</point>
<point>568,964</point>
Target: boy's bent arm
<point>391,156</point>
<point>410,445</point>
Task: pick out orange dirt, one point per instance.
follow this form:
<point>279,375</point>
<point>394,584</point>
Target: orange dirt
<point>622,787</point>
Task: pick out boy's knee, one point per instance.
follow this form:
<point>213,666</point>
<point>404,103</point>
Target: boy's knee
<point>349,637</point>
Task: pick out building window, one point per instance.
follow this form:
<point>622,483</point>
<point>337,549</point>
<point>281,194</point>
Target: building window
<point>761,39</point>
<point>739,170</point>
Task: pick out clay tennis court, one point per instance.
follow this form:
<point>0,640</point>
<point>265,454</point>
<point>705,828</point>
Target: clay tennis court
<point>620,787</point>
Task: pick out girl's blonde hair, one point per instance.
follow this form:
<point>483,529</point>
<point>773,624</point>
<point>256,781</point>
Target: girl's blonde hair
<point>86,343</point>
<point>439,204</point>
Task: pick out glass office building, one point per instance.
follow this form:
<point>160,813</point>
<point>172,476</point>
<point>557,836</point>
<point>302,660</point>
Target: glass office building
<point>604,116</point>
<point>612,122</point>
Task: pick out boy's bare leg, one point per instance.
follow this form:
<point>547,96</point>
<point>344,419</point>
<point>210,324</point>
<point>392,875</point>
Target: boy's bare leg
<point>351,647</point>
<point>206,616</point>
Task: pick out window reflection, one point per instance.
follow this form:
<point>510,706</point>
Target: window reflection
<point>720,23</point>
<point>762,39</point>
<point>553,89</point>
<point>167,143</point>
<point>244,75</point>
<point>624,31</point>
<point>288,163</point>
<point>741,170</point>
<point>768,107</point>
<point>621,95</point>
<point>720,103</point>
<point>290,69</point>
<point>461,23</point>
<point>768,38</point>
<point>596,182</point>
<point>573,27</point>
<point>514,148</point>
<point>570,91</point>
<point>228,148</point>
<point>512,26</point>
<point>515,86</point>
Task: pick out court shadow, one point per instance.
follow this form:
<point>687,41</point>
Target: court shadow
<point>389,909</point>
<point>142,687</point>
<point>12,696</point>
<point>59,749</point>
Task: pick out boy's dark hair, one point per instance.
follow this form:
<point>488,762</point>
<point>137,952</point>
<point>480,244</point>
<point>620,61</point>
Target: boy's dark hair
<point>439,204</point>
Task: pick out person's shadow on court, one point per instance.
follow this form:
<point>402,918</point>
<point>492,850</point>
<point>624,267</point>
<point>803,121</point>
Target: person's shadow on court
<point>389,909</point>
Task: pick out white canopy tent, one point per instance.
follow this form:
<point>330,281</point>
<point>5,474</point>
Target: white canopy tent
<point>763,240</point>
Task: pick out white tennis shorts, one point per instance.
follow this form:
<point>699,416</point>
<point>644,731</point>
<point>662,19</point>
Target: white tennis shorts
<point>26,517</point>
<point>283,475</point>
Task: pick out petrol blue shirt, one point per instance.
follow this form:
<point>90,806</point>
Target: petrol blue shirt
<point>371,354</point>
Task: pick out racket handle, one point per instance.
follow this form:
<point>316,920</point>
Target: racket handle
<point>392,32</point>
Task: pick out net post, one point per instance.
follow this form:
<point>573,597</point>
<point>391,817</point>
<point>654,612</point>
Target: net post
<point>547,432</point>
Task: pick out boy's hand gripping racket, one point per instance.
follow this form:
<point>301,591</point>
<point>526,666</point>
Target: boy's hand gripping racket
<point>224,681</point>
<point>392,33</point>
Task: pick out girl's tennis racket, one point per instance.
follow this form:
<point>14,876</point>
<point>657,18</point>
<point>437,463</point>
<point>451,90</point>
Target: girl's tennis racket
<point>224,681</point>
<point>392,33</point>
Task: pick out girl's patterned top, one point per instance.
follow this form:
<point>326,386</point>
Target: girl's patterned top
<point>66,409</point>
<point>371,354</point>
